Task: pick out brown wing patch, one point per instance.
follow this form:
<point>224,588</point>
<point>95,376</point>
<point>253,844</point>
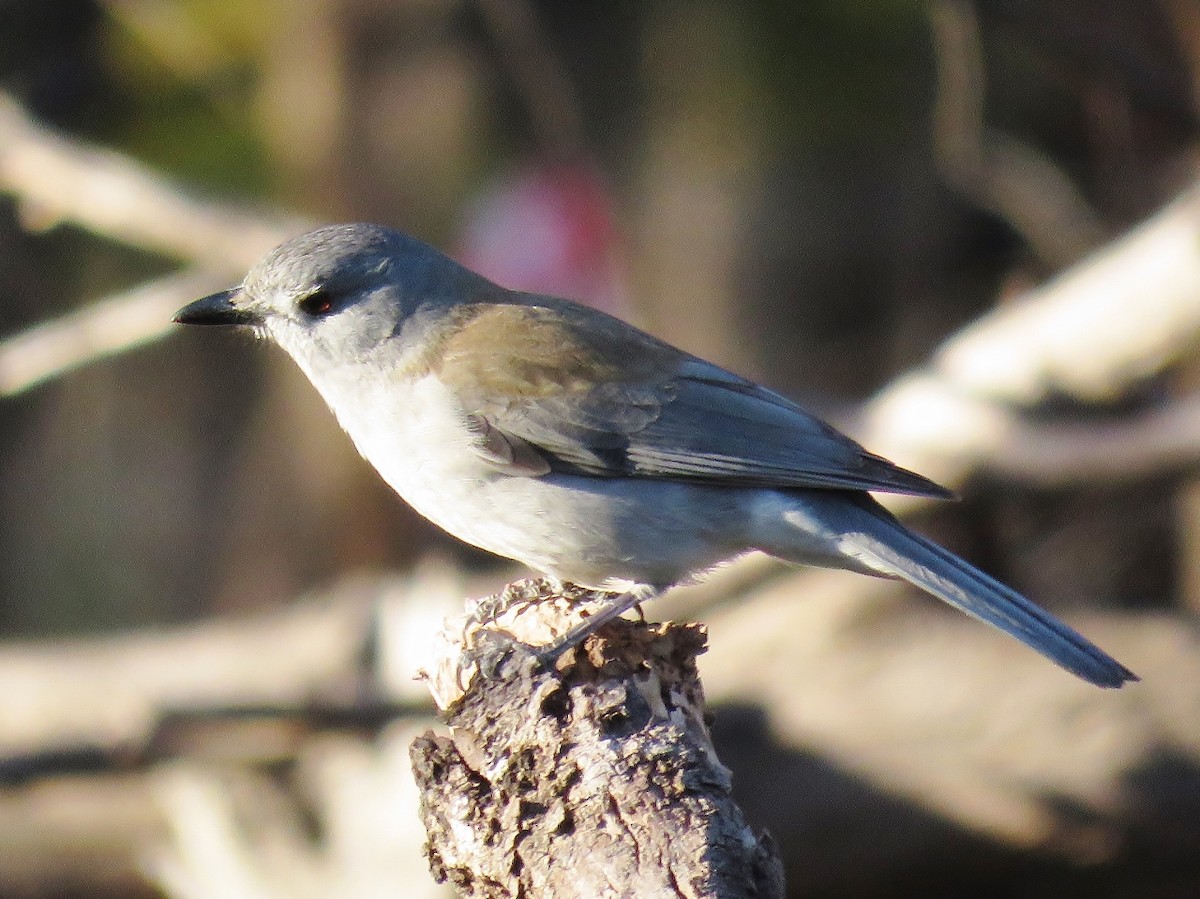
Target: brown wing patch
<point>515,352</point>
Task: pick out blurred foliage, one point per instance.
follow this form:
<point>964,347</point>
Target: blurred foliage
<point>184,80</point>
<point>831,67</point>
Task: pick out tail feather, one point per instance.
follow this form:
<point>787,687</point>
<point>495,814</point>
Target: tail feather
<point>905,554</point>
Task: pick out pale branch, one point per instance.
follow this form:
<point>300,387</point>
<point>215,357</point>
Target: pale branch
<point>114,695</point>
<point>1044,451</point>
<point>1092,333</point>
<point>100,328</point>
<point>55,178</point>
<point>1122,314</point>
<point>592,776</point>
<point>1161,441</point>
<point>342,822</point>
<point>239,834</point>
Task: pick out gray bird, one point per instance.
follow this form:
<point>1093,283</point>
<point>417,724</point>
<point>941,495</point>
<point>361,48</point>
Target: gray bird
<point>568,440</point>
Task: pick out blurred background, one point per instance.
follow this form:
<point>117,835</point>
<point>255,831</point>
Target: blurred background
<point>207,600</point>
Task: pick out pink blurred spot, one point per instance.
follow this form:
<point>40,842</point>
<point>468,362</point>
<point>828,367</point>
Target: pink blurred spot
<point>547,229</point>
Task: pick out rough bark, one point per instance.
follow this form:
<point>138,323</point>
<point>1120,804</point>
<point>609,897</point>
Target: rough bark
<point>591,777</point>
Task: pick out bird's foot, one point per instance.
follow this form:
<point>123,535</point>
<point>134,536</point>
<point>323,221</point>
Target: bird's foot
<point>614,606</point>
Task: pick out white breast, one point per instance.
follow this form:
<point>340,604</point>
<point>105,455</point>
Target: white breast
<point>596,532</point>
<point>415,434</point>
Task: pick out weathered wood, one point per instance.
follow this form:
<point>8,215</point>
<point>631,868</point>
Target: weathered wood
<point>592,777</point>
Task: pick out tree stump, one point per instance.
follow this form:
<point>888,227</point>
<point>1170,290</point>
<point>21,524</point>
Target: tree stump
<point>592,776</point>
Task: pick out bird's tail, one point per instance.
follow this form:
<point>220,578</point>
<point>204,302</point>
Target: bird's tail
<point>891,548</point>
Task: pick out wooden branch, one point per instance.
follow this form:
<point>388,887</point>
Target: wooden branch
<point>55,178</point>
<point>1161,442</point>
<point>111,697</point>
<point>247,834</point>
<point>1122,315</point>
<point>101,328</point>
<point>593,778</point>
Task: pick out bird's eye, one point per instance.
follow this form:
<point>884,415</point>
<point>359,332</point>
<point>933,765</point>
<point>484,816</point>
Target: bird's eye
<point>317,303</point>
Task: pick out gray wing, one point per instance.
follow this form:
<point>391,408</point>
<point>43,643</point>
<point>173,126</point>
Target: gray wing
<point>703,424</point>
<point>549,386</point>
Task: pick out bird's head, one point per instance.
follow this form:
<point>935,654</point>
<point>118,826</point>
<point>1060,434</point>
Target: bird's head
<point>340,295</point>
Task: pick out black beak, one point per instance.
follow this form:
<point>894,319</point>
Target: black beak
<point>217,309</point>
